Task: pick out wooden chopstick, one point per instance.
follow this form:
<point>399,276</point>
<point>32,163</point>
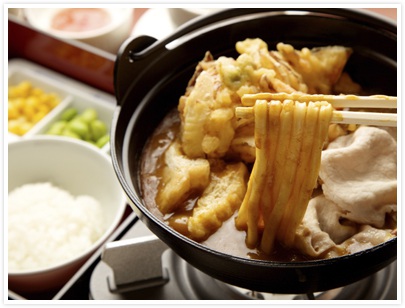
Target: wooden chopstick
<point>337,101</point>
<point>365,118</point>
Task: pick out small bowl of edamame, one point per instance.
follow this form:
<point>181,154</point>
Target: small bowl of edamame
<point>84,125</point>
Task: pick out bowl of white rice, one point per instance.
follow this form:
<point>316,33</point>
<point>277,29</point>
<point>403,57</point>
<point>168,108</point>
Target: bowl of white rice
<point>64,201</point>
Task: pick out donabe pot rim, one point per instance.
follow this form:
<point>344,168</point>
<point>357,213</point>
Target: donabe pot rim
<point>162,230</point>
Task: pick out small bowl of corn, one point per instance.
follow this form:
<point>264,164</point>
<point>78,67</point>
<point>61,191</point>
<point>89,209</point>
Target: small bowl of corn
<point>43,102</point>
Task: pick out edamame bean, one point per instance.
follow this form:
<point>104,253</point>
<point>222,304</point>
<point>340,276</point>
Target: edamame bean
<point>98,129</point>
<point>103,141</point>
<point>85,126</point>
<point>69,114</point>
<point>88,115</point>
<point>57,128</point>
<point>80,127</point>
<point>68,133</point>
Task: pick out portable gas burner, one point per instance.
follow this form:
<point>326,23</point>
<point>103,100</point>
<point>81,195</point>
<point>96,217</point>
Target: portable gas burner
<point>139,266</point>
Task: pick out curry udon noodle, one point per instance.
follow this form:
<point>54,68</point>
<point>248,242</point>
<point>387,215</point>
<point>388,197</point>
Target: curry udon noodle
<point>283,184</point>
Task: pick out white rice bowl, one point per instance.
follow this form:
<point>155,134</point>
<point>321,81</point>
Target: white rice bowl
<point>44,218</point>
<point>65,198</point>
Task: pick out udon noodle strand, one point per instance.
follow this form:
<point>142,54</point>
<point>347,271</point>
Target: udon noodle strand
<point>289,137</point>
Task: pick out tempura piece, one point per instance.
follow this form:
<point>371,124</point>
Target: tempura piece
<point>289,137</point>
<point>320,68</point>
<point>209,128</point>
<point>283,77</point>
<point>219,201</point>
<point>181,176</point>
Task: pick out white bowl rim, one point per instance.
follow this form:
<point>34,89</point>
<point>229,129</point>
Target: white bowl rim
<point>107,233</point>
<point>116,22</point>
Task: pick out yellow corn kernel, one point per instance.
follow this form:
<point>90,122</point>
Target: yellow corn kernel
<point>30,108</point>
<point>20,90</point>
<point>44,108</point>
<point>32,101</point>
<point>13,126</point>
<point>37,92</point>
<point>53,100</point>
<point>19,126</point>
<point>13,92</point>
<point>13,112</point>
<point>19,103</point>
<point>24,128</point>
<point>38,116</point>
<point>24,88</point>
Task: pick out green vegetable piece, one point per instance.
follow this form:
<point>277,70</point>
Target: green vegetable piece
<point>88,115</point>
<point>69,114</point>
<point>68,133</point>
<point>80,128</point>
<point>103,140</point>
<point>98,129</point>
<point>232,75</point>
<point>57,128</point>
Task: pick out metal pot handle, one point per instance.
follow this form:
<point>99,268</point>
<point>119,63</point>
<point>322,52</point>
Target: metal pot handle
<point>135,54</point>
<point>126,68</point>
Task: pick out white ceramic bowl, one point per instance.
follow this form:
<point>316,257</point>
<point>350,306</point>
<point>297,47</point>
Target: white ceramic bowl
<point>182,15</point>
<point>78,168</point>
<point>108,37</point>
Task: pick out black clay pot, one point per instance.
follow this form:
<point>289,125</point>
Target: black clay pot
<point>151,75</point>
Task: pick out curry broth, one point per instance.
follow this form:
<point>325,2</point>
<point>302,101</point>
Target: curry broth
<point>227,239</point>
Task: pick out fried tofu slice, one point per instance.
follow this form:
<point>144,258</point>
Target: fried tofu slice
<point>243,144</point>
<point>207,126</point>
<point>181,176</point>
<point>219,201</point>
